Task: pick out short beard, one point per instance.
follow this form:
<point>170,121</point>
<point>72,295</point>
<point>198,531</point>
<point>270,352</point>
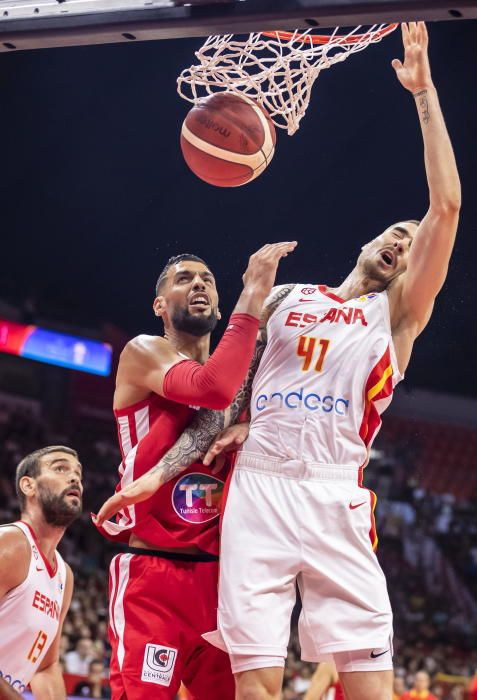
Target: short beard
<point>56,511</point>
<point>199,325</point>
<point>374,274</point>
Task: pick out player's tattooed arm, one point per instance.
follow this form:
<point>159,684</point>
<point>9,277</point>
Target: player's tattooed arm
<point>192,444</point>
<point>200,436</point>
<point>197,437</point>
<point>242,399</point>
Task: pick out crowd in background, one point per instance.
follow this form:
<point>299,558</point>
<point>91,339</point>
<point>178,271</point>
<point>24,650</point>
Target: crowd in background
<point>428,550</point>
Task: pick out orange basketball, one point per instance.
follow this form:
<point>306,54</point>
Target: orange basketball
<point>227,140</point>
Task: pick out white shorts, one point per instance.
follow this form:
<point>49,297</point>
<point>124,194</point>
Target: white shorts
<point>287,522</point>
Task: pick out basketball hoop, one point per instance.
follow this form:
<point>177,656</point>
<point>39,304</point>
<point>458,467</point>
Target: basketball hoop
<point>276,69</point>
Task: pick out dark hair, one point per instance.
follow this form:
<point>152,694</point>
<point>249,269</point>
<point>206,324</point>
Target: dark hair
<point>173,261</point>
<point>31,466</point>
<point>95,661</point>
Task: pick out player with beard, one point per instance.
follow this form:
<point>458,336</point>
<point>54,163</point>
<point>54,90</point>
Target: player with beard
<point>36,585</point>
<point>297,511</point>
<point>163,590</point>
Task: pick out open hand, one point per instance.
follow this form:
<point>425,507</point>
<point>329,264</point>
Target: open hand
<point>140,490</point>
<point>226,441</point>
<point>260,274</point>
<point>415,73</point>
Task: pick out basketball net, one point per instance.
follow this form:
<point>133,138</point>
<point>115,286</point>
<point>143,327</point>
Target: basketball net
<point>276,69</point>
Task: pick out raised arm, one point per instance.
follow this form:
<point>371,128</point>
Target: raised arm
<point>198,436</point>
<point>154,365</point>
<point>434,239</point>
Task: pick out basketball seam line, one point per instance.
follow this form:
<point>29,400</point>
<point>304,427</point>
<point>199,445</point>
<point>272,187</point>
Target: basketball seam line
<point>253,160</point>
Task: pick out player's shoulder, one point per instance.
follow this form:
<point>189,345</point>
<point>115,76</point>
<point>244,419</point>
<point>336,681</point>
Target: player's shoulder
<point>276,297</point>
<point>15,555</point>
<point>13,541</point>
<point>145,346</point>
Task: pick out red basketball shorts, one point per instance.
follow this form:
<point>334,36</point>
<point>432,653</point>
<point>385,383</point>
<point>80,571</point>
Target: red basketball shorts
<point>158,610</point>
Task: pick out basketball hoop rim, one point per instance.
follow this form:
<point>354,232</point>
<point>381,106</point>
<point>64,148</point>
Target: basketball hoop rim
<point>317,39</point>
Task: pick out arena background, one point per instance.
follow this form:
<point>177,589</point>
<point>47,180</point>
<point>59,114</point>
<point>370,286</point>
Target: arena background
<point>95,196</point>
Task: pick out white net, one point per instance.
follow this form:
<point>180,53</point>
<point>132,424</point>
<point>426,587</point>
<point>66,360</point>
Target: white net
<point>276,70</point>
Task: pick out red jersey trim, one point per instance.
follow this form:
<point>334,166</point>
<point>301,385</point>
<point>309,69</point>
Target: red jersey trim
<point>378,386</point>
<point>324,290</point>
<point>51,571</point>
<point>133,407</point>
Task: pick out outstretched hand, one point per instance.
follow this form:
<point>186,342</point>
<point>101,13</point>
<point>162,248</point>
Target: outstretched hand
<point>140,490</point>
<point>415,73</point>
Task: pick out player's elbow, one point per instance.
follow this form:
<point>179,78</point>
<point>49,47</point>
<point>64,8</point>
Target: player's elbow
<point>217,399</point>
<point>448,206</point>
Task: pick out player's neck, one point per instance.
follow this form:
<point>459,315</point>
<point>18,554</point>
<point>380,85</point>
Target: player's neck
<point>357,284</point>
<point>48,536</point>
<point>196,348</point>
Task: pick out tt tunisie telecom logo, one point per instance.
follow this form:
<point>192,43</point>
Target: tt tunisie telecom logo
<point>196,497</point>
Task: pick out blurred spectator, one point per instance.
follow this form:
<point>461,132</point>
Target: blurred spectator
<point>420,688</point>
<point>399,687</point>
<point>473,687</point>
<point>77,662</point>
<point>93,687</point>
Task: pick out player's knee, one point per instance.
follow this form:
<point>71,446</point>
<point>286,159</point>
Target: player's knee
<point>262,684</point>
<point>257,691</point>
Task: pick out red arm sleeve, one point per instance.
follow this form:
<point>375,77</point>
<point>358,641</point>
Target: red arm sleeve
<point>214,384</point>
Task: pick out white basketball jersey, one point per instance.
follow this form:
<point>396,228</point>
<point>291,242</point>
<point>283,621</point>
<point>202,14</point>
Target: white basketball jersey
<point>327,373</point>
<point>30,616</point>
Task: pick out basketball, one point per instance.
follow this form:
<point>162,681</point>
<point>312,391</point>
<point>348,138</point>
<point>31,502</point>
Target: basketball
<point>227,140</point>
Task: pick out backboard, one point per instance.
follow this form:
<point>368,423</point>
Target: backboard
<point>32,24</point>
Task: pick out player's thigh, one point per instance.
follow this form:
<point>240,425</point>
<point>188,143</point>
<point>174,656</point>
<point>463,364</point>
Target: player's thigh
<point>344,594</point>
<point>259,684</point>
<point>258,566</point>
<point>147,630</point>
<point>367,685</point>
<point>207,674</point>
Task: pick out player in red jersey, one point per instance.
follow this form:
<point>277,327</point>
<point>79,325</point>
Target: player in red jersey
<point>163,590</point>
<point>36,585</point>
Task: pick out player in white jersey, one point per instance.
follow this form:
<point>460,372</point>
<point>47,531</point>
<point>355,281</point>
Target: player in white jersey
<point>36,585</point>
<point>296,510</point>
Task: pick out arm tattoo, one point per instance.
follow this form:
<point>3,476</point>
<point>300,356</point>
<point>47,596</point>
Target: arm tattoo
<point>421,98</point>
<point>197,437</point>
<point>242,399</point>
<point>192,444</point>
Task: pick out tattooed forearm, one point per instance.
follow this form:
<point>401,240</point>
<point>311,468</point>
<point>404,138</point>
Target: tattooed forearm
<point>242,399</point>
<point>275,301</point>
<point>197,437</point>
<point>192,444</point>
<point>423,104</point>
<point>243,396</point>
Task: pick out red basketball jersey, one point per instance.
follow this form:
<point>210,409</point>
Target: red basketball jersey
<point>185,511</point>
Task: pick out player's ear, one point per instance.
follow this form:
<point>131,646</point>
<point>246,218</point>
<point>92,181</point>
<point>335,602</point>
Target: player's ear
<point>159,306</point>
<point>27,485</point>
<point>219,315</point>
